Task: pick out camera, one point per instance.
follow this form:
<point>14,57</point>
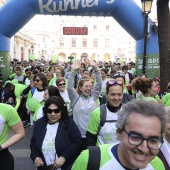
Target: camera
<point>70,57</point>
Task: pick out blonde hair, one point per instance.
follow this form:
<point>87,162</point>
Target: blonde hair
<point>81,82</point>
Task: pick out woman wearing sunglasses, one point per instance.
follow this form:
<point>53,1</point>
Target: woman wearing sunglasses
<point>84,98</point>
<point>99,133</point>
<point>61,85</point>
<point>49,92</point>
<point>37,87</point>
<point>56,139</point>
<point>35,90</point>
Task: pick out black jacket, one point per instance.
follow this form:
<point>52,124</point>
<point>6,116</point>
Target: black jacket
<point>68,145</point>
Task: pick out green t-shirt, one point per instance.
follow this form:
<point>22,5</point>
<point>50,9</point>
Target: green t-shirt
<point>8,117</point>
<point>109,162</point>
<point>18,92</point>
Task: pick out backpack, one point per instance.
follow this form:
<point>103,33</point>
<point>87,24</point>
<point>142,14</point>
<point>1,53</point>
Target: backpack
<point>103,117</point>
<point>94,158</point>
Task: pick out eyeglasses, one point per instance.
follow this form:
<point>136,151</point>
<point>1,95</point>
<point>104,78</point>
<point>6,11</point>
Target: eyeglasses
<point>53,110</point>
<point>63,84</point>
<point>137,139</point>
<point>37,80</point>
<point>118,74</point>
<point>113,82</point>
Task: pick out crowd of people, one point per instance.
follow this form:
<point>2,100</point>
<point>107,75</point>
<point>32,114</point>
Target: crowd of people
<point>85,115</point>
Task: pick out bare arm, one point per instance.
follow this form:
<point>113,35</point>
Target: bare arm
<point>19,133</point>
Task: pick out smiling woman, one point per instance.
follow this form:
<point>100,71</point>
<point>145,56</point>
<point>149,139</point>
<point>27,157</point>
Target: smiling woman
<point>56,138</point>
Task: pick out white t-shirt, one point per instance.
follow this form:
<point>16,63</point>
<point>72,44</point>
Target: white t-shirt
<point>66,99</point>
<point>103,91</point>
<point>108,132</point>
<point>38,95</point>
<point>127,78</point>
<point>48,146</point>
<point>39,113</point>
<point>165,148</point>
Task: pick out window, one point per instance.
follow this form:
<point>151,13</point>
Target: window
<point>95,27</point>
<point>84,43</point>
<point>107,27</point>
<point>73,42</point>
<point>61,42</point>
<point>43,39</point>
<point>107,41</point>
<point>95,43</point>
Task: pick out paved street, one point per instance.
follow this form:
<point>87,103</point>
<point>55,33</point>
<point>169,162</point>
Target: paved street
<point>21,152</point>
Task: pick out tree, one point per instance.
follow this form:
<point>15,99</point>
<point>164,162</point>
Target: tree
<point>164,42</point>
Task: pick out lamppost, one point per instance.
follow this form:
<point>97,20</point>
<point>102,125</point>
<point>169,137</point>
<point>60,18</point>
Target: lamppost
<point>146,9</point>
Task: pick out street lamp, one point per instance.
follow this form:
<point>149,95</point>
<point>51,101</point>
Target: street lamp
<point>146,9</point>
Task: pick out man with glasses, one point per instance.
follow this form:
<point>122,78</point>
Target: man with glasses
<point>140,127</point>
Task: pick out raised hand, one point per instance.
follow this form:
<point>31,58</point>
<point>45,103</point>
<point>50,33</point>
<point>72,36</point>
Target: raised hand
<point>76,65</point>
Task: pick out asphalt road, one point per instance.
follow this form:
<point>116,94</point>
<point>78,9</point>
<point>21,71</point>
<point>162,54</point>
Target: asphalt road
<point>21,152</point>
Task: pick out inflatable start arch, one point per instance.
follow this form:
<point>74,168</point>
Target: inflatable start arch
<point>14,14</point>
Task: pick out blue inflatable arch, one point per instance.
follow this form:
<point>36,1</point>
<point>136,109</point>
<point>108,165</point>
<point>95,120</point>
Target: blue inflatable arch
<point>14,14</point>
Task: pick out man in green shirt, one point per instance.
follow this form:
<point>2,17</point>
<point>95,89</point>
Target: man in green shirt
<point>140,127</point>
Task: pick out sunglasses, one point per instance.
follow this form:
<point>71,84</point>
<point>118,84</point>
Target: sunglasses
<point>37,80</point>
<point>113,82</point>
<point>63,84</point>
<point>53,110</point>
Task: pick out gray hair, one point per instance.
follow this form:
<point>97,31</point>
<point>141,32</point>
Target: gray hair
<point>143,107</point>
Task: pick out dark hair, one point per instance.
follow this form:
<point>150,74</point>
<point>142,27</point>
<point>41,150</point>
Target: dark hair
<point>27,69</point>
<point>85,70</point>
<point>104,70</point>
<point>50,68</point>
<point>38,68</point>
<point>84,66</point>
<point>110,85</point>
<point>142,84</point>
<point>59,102</point>
<point>34,72</point>
<point>53,91</point>
<point>119,74</point>
<point>43,78</point>
<point>8,85</point>
<point>125,67</point>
